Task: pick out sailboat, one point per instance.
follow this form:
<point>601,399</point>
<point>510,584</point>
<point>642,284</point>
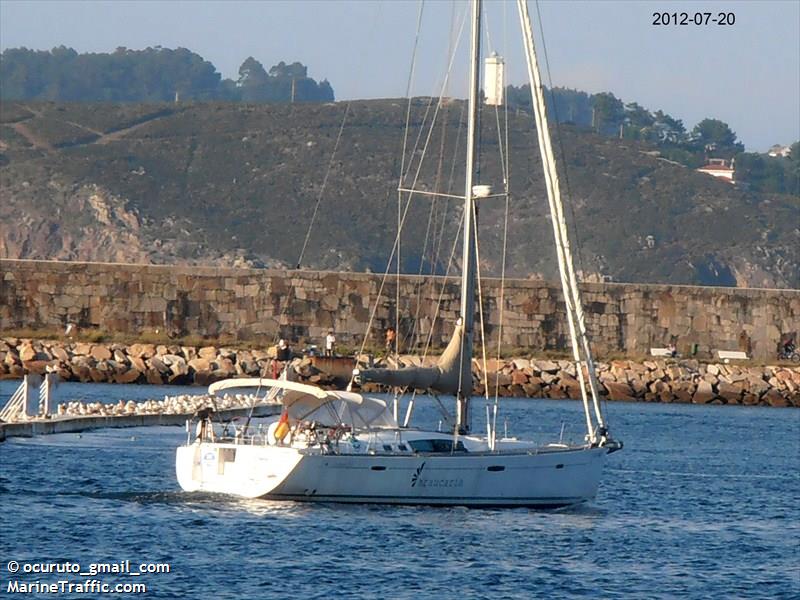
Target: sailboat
<point>343,446</point>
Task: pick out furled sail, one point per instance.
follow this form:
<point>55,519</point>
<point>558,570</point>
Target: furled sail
<point>444,377</point>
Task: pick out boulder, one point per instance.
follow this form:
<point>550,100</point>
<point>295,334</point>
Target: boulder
<point>82,349</point>
<point>142,350</point>
<point>200,364</point>
<point>732,394</point>
<point>517,391</point>
<point>207,352</point>
<point>158,364</point>
<point>571,387</point>
<point>60,353</point>
<point>226,367</point>
<point>501,379</point>
<point>80,372</point>
<point>619,391</point>
<point>137,363</point>
<point>36,366</point>
<point>774,398</point>
<point>750,399</point>
<point>27,353</point>
<point>154,376</point>
<point>546,366</point>
<point>100,352</point>
<point>179,367</point>
<point>97,376</point>
<point>532,390</point>
<point>639,387</point>
<point>128,376</point>
<point>63,373</point>
<point>518,378</point>
<point>704,393</point>
<point>756,385</point>
<point>15,371</point>
<point>682,391</point>
<point>521,364</point>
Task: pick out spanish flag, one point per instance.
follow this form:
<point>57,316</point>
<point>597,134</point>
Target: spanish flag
<point>283,426</point>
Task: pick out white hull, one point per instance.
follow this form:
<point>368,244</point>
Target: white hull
<point>546,477</point>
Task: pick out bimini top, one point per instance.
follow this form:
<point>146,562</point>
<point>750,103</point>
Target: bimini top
<point>309,403</point>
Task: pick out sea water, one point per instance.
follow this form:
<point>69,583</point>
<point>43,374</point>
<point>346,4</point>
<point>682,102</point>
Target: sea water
<point>701,503</point>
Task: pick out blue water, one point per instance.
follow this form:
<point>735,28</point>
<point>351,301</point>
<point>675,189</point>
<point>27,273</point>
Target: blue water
<point>701,503</point>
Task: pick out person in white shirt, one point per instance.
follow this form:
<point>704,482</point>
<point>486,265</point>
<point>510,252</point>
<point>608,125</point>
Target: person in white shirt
<point>330,343</point>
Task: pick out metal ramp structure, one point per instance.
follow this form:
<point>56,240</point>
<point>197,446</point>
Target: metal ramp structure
<point>34,398</point>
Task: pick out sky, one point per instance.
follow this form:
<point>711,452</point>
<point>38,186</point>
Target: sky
<point>746,74</point>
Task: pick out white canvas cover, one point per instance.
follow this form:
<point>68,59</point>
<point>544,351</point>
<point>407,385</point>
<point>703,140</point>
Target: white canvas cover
<point>309,403</point>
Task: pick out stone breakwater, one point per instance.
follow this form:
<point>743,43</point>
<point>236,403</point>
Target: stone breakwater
<point>258,306</point>
<point>688,381</point>
<point>682,381</point>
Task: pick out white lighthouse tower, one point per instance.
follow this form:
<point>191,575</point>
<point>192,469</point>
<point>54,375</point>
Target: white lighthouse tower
<point>494,80</point>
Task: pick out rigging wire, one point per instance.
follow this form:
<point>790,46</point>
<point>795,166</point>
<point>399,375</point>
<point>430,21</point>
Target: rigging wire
<point>504,159</point>
<point>507,190</point>
<point>570,202</point>
<point>559,137</point>
<point>320,196</point>
<point>324,185</point>
<point>409,84</point>
<point>441,297</point>
<point>410,194</point>
<point>480,310</point>
<point>432,225</point>
<point>408,203</point>
<point>422,128</point>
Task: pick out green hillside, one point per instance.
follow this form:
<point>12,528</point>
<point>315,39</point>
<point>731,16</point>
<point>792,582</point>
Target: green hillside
<point>237,184</point>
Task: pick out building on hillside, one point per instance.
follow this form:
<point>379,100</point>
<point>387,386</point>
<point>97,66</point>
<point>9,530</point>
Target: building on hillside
<point>719,167</point>
<point>779,151</point>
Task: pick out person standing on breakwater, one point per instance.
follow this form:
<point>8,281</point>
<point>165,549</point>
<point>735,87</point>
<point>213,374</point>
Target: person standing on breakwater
<point>283,355</point>
<point>330,343</point>
<point>391,336</point>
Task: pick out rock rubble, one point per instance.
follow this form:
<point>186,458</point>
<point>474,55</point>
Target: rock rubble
<point>687,381</point>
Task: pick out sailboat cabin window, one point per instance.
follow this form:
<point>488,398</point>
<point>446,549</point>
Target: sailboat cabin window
<point>435,446</point>
<point>387,447</point>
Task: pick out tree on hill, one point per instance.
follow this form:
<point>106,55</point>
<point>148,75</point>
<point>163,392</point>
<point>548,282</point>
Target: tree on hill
<point>295,70</point>
<point>609,112</point>
<point>253,81</point>
<point>764,173</point>
<point>150,75</point>
<point>283,83</point>
<point>715,138</point>
<point>794,152</point>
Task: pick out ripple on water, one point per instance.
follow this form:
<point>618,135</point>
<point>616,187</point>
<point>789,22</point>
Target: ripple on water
<point>692,508</point>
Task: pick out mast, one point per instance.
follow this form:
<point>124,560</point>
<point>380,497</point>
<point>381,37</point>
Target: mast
<point>575,317</point>
<point>468,255</point>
